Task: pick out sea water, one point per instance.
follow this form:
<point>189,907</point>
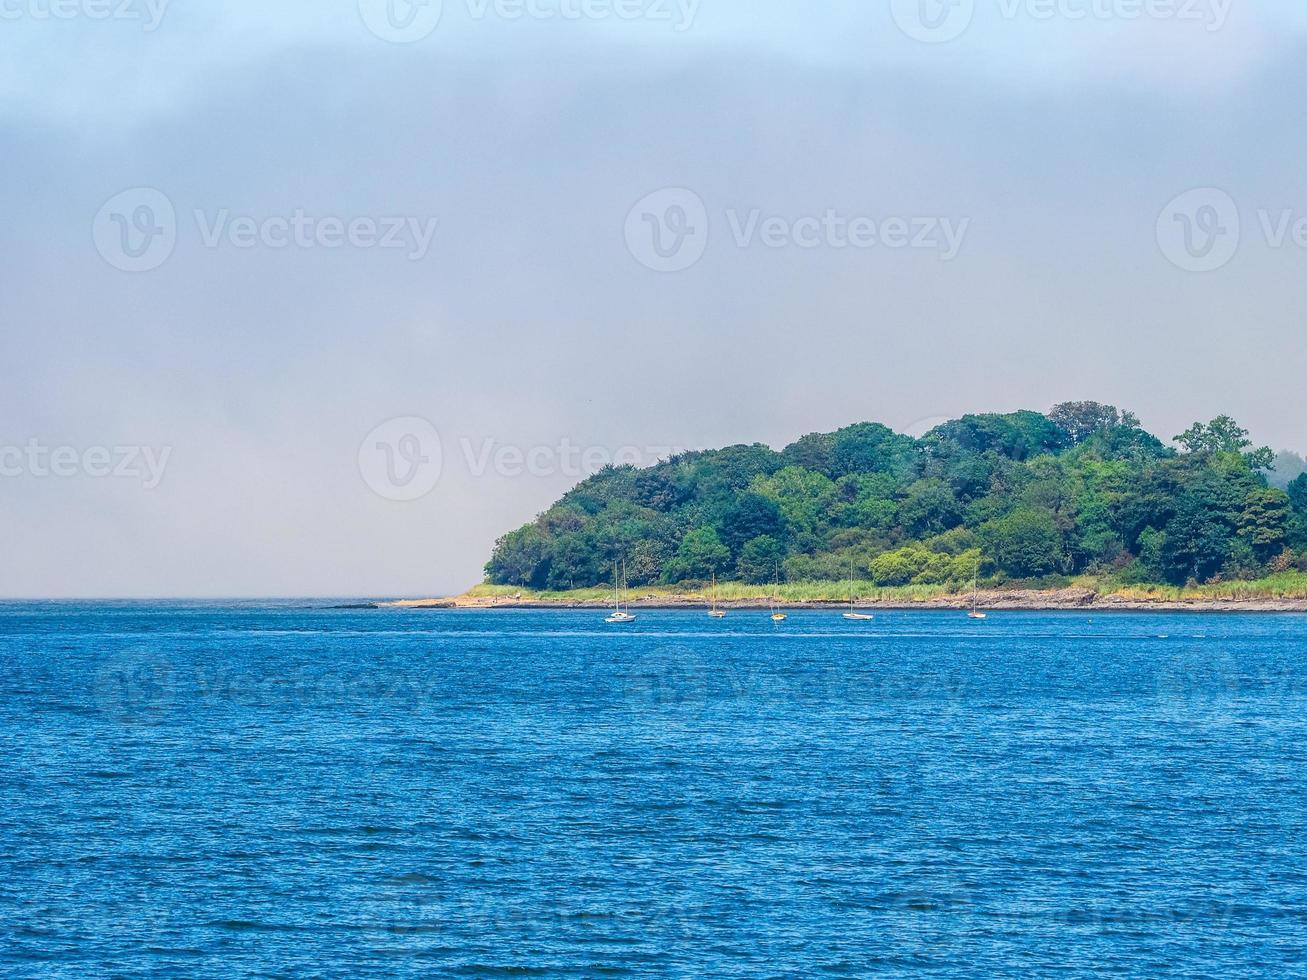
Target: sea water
<point>286,789</point>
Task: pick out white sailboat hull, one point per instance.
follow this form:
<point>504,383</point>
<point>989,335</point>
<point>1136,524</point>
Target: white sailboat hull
<point>619,615</point>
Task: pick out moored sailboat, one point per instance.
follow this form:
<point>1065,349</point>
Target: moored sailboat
<point>713,611</point>
<point>975,613</point>
<point>620,614</point>
<point>852,613</point>
<point>776,615</point>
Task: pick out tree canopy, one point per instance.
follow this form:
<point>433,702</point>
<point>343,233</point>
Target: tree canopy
<point>1021,496</point>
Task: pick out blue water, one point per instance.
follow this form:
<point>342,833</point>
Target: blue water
<point>198,790</point>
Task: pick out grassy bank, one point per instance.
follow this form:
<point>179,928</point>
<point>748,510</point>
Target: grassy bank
<point>726,592</point>
<point>1285,586</point>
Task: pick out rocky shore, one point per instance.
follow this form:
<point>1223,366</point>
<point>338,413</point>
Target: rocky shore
<point>1017,599</point>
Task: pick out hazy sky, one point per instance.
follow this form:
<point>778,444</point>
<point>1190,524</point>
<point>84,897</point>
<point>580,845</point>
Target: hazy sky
<point>260,260</point>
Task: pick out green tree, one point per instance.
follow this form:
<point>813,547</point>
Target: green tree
<point>1152,546</point>
<point>930,508</point>
<point>518,558</point>
<point>899,567</point>
<point>1024,544</point>
<point>1224,435</point>
<point>1297,531</point>
<point>1018,436</point>
<point>1084,489</point>
<point>1080,420</point>
<point>700,556</point>
<point>1198,543</point>
<point>760,559</point>
<point>1297,494</point>
<point>1264,523</point>
<point>865,501</point>
<point>573,562</point>
<point>812,452</point>
<point>752,515</point>
<point>871,448</point>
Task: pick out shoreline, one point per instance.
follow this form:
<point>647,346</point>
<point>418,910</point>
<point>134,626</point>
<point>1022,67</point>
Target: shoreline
<point>1015,600</point>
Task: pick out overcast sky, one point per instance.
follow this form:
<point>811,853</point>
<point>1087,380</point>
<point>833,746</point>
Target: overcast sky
<point>310,298</point>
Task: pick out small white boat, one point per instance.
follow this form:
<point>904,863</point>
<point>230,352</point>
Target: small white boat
<point>776,615</point>
<point>620,615</point>
<point>852,614</point>
<point>714,612</point>
<point>975,613</point>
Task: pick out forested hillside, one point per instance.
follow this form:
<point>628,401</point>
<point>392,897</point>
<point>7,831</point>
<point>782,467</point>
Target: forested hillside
<point>1023,496</point>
